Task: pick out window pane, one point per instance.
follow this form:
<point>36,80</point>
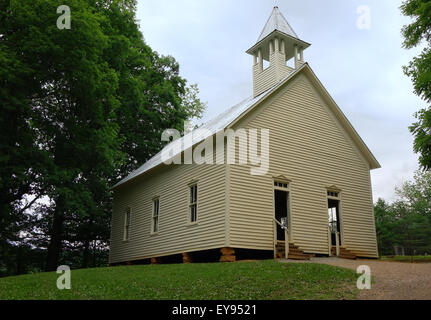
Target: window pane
<point>128,217</point>
<point>156,208</point>
<point>155,224</point>
<point>193,194</point>
<point>281,185</point>
<point>193,213</point>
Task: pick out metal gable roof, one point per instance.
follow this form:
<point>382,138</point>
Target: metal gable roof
<point>232,115</point>
<point>219,123</point>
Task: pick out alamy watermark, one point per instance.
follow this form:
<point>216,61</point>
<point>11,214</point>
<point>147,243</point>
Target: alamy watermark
<point>364,19</point>
<point>63,21</point>
<point>364,280</point>
<point>64,281</point>
<point>204,146</point>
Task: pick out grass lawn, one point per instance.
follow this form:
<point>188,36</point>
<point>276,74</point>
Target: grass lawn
<point>263,280</point>
<point>407,258</point>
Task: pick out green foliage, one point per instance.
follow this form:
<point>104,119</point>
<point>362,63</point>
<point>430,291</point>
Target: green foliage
<point>264,280</point>
<point>419,70</point>
<point>385,220</point>
<point>80,109</point>
<point>407,221</point>
<point>21,259</point>
<point>414,259</point>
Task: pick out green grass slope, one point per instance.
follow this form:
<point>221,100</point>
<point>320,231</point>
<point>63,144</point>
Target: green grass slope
<point>261,280</point>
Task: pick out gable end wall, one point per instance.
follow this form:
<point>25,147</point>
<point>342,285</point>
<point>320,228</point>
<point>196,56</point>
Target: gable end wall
<point>310,147</point>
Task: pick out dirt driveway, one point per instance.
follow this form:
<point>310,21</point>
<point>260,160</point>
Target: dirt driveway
<point>392,280</point>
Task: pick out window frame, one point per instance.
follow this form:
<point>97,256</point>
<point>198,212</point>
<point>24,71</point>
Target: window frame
<point>193,195</point>
<point>127,224</point>
<point>155,217</point>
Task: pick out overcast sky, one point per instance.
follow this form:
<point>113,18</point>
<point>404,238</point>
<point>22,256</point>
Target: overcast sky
<point>361,68</point>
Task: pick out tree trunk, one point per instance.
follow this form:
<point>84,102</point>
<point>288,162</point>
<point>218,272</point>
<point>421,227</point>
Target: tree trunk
<point>410,244</point>
<point>54,247</point>
<point>20,262</point>
<point>94,253</point>
<point>86,254</point>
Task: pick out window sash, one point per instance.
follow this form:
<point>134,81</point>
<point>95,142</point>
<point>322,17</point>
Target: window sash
<point>193,207</point>
<point>193,194</point>
<point>127,225</point>
<point>155,224</point>
<point>193,212</point>
<point>156,209</point>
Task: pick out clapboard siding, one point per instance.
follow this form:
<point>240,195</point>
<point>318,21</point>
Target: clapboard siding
<point>267,78</point>
<point>311,148</point>
<point>175,235</point>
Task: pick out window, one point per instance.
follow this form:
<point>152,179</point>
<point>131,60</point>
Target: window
<point>126,235</point>
<point>333,194</point>
<point>283,185</point>
<point>155,222</point>
<point>193,206</point>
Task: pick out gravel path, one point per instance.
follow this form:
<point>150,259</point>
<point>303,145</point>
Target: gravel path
<point>392,280</point>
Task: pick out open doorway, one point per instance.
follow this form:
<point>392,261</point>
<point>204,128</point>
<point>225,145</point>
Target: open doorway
<point>281,204</point>
<point>334,219</point>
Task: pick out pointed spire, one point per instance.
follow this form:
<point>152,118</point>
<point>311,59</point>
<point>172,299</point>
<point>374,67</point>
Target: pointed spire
<point>277,22</point>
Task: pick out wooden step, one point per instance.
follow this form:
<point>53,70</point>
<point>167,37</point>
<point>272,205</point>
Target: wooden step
<point>299,256</point>
<point>294,252</point>
<point>344,253</point>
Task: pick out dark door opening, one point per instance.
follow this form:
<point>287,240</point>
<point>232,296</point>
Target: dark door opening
<point>334,219</point>
<point>281,211</point>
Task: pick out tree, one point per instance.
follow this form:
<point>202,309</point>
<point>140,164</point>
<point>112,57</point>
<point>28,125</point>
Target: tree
<point>386,233</point>
<point>419,70</point>
<point>72,107</point>
<point>414,201</point>
<point>406,221</point>
<point>83,108</point>
<point>22,162</point>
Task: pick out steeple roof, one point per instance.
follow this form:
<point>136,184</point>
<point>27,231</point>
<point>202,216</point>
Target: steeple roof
<point>277,22</point>
<point>277,27</point>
